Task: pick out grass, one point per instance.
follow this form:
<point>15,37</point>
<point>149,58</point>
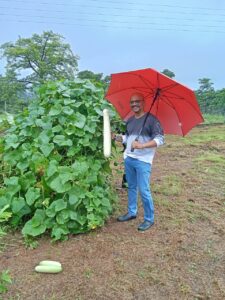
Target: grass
<point>213,119</point>
<point>211,157</point>
<point>171,185</point>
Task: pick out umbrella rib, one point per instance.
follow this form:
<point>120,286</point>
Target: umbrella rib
<point>172,106</point>
<point>166,88</point>
<point>146,81</point>
<point>146,89</point>
<point>186,100</point>
<point>175,95</point>
<point>124,89</point>
<point>157,105</point>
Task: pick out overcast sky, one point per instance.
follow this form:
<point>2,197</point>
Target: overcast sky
<point>187,37</point>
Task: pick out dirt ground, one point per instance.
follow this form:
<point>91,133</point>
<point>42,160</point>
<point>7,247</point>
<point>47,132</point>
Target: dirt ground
<point>181,257</point>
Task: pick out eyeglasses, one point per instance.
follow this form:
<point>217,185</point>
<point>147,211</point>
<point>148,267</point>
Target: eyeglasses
<point>135,101</point>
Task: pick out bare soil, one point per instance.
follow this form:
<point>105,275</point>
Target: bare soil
<point>181,257</point>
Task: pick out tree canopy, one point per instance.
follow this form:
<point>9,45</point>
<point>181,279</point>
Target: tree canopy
<point>168,73</point>
<point>11,92</point>
<point>95,77</point>
<point>40,58</point>
<point>210,101</point>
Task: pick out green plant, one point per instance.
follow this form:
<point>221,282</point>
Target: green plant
<point>55,176</point>
<point>30,242</point>
<point>5,280</point>
<point>4,216</point>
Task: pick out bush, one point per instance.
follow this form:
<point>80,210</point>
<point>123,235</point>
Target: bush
<point>55,177</point>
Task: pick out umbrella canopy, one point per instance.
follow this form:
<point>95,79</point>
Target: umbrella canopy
<point>174,104</point>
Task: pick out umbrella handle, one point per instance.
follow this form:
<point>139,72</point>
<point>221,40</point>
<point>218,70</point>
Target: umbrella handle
<point>136,139</point>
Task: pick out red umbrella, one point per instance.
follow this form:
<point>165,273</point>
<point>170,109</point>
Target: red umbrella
<point>174,104</point>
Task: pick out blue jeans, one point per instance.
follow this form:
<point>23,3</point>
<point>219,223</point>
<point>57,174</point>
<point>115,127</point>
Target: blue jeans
<point>138,179</point>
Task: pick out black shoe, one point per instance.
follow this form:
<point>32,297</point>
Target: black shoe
<point>125,218</point>
<point>124,182</point>
<point>145,225</point>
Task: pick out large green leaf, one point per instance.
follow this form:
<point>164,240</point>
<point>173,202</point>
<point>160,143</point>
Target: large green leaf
<point>56,184</point>
<point>44,123</point>
<point>11,141</point>
<point>56,206</point>
<point>57,128</point>
<point>36,225</point>
<point>55,110</point>
<point>59,231</point>
<point>23,165</point>
<point>12,157</point>
<point>12,189</point>
<point>52,168</point>
<point>44,138</point>
<point>81,167</point>
<point>60,205</point>
<point>14,180</point>
<point>29,229</point>
<point>61,140</point>
<point>79,120</point>
<point>68,111</point>
<point>73,215</point>
<point>63,216</point>
<point>17,204</point>
<point>27,180</point>
<point>76,194</point>
<point>47,149</point>
<point>32,194</point>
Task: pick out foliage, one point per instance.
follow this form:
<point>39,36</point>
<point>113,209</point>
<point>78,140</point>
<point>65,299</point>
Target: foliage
<point>5,280</point>
<point>43,57</point>
<point>11,92</point>
<point>95,77</point>
<point>4,216</point>
<point>210,101</point>
<point>55,177</point>
<point>30,242</point>
<point>168,73</point>
<point>6,120</point>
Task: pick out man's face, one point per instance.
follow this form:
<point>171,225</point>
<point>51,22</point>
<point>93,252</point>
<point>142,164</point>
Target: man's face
<point>137,103</point>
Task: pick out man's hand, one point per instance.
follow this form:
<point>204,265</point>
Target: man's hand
<point>137,145</point>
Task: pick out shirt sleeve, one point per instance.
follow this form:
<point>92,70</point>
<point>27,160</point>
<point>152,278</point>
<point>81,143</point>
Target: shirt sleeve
<point>124,138</point>
<point>157,132</point>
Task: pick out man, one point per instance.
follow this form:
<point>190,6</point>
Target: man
<point>138,157</point>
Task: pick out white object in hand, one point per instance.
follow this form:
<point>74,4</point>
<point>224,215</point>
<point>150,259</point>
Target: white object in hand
<point>106,134</point>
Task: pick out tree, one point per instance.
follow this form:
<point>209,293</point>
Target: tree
<point>219,102</point>
<point>11,91</point>
<point>206,95</point>
<point>168,73</point>
<point>43,57</point>
<point>95,77</point>
<point>90,75</point>
<point>205,85</point>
